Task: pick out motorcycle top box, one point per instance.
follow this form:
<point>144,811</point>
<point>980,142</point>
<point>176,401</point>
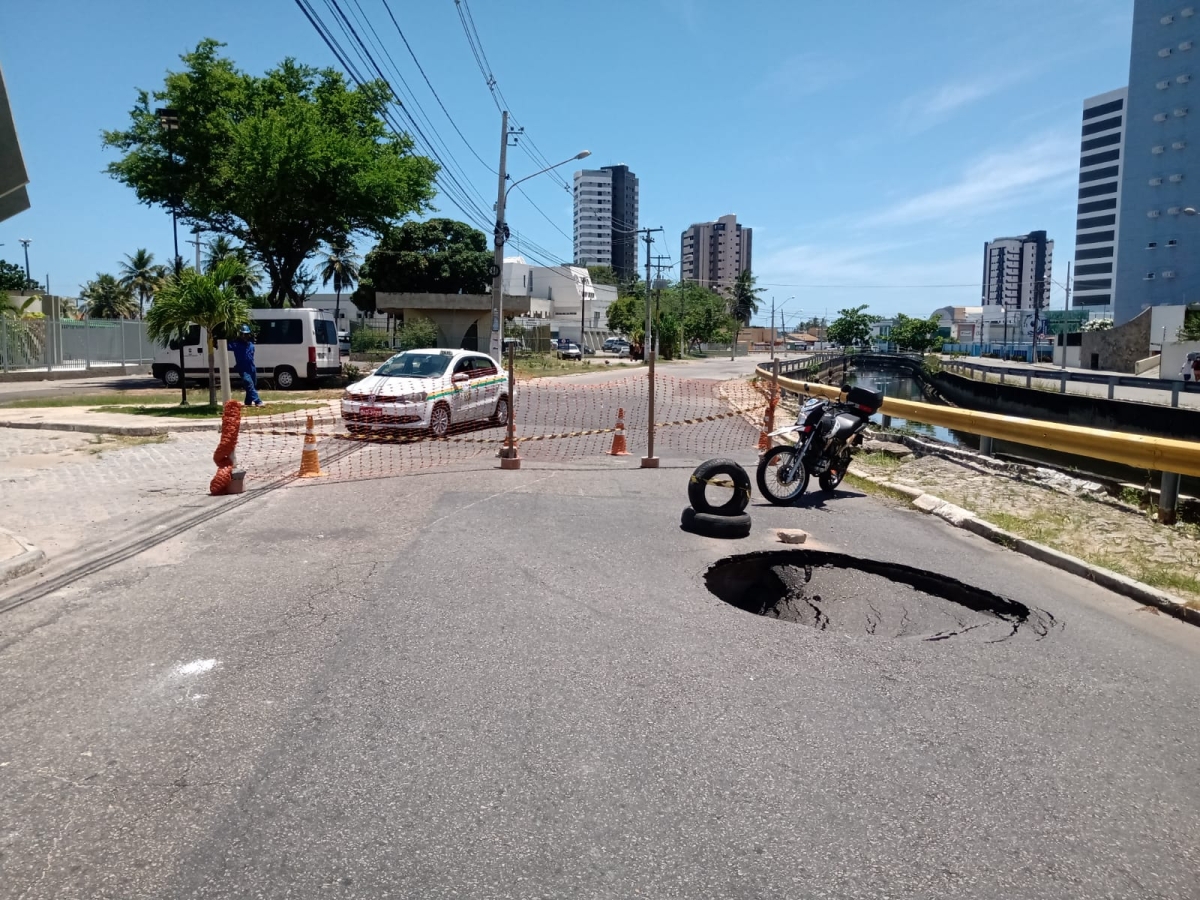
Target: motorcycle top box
<point>867,400</point>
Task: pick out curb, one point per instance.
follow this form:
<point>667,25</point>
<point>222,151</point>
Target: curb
<point>127,430</point>
<point>1118,584</point>
<point>23,563</point>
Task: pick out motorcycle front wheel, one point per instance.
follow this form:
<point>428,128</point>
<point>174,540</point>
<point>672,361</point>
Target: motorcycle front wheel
<point>782,477</point>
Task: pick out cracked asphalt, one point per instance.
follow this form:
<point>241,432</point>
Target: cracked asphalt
<point>489,684</point>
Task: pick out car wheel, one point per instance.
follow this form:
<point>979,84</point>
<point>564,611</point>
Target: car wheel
<point>501,415</point>
<point>707,525</point>
<point>721,474</point>
<point>284,378</point>
<point>439,420</point>
<point>171,377</point>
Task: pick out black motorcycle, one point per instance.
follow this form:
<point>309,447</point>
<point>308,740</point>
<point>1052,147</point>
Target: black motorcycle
<point>825,433</point>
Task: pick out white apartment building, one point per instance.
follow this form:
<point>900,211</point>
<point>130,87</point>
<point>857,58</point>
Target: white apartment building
<point>1097,229</point>
<point>714,254</point>
<point>1017,272</point>
<point>594,217</point>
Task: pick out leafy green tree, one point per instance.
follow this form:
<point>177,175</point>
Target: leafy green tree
<point>603,275</point>
<point>209,300</point>
<point>916,335</point>
<point>141,276</point>
<point>108,298</point>
<point>438,256</point>
<point>12,277</point>
<point>706,318</point>
<point>743,304</point>
<point>341,266</point>
<point>416,334</point>
<point>249,281</point>
<point>852,327</point>
<point>284,162</point>
<point>1190,330</point>
<point>627,316</point>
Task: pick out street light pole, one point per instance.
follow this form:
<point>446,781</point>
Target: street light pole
<point>169,119</point>
<point>25,242</point>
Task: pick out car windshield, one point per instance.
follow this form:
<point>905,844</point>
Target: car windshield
<point>414,365</point>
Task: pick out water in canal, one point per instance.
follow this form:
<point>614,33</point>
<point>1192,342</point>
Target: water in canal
<point>906,387</point>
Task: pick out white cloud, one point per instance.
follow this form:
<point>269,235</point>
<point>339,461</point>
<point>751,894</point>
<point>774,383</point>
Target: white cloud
<point>805,74</point>
<point>995,181</point>
<point>928,108</point>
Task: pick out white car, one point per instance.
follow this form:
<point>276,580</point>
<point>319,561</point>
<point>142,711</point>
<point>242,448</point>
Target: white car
<point>429,390</point>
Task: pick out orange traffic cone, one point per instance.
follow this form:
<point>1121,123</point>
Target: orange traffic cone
<point>310,463</point>
<point>618,444</point>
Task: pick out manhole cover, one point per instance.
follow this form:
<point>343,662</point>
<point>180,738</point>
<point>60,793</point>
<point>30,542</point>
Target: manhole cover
<point>842,594</point>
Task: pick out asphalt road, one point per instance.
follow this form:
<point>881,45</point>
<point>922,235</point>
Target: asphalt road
<point>515,685</point>
<point>11,391</point>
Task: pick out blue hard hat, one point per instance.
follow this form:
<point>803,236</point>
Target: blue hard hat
<point>245,329</point>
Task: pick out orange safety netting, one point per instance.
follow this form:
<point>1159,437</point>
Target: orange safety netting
<point>554,420</point>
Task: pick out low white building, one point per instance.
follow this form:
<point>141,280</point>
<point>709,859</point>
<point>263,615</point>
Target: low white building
<point>347,311</point>
<point>565,296</point>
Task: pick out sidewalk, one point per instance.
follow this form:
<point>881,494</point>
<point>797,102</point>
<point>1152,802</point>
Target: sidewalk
<point>86,419</point>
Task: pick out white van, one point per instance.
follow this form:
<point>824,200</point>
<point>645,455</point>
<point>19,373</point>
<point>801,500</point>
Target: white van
<point>290,344</point>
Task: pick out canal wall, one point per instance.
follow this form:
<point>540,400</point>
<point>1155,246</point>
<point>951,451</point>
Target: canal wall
<point>1068,409</point>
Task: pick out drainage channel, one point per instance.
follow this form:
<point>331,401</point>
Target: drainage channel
<point>842,594</point>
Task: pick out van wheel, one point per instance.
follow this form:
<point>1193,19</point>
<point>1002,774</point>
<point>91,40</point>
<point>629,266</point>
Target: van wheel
<point>439,421</point>
<point>170,377</point>
<point>284,378</point>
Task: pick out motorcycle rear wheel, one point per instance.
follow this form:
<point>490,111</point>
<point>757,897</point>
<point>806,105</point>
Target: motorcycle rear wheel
<point>831,478</point>
<point>773,463</point>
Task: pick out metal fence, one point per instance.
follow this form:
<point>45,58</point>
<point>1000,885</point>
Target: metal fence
<point>49,345</point>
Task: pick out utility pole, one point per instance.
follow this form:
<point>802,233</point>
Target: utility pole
<point>495,345</point>
<point>658,270</point>
<point>25,242</point>
<point>1066,313</point>
<point>196,242</point>
<point>649,461</point>
<point>772,332</point>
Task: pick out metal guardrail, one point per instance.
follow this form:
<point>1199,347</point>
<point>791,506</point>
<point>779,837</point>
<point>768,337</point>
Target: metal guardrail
<point>1140,451</point>
<point>1030,374</point>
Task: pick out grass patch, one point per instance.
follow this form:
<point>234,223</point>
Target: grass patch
<point>550,367</point>
<point>1043,527</point>
<point>204,411</point>
<point>881,461</point>
<point>102,443</point>
<point>871,487</point>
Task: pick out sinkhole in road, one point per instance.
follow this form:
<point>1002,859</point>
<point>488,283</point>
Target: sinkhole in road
<point>837,593</point>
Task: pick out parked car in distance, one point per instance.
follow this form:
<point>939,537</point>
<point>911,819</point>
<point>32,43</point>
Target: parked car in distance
<point>290,345</point>
<point>569,350</point>
<point>344,343</point>
<point>613,344</point>
<point>427,390</point>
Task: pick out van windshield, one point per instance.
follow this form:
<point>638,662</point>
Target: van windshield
<point>414,365</point>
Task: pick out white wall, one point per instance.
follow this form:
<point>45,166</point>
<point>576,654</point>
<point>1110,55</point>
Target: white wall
<point>1173,357</point>
<point>1165,317</point>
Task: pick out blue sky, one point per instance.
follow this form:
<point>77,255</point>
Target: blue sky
<point>873,147</point>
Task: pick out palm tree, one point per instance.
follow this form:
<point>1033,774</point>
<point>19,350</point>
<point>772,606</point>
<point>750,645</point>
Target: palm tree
<point>221,248</point>
<point>341,267</point>
<point>107,298</point>
<point>141,275</point>
<point>743,304</point>
<point>209,300</point>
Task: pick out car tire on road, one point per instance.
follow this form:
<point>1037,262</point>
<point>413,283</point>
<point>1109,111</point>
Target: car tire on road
<point>707,525</point>
<point>439,421</point>
<point>170,377</point>
<point>500,417</point>
<point>710,471</point>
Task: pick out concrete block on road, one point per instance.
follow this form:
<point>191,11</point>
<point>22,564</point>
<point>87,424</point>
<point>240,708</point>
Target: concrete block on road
<point>791,535</point>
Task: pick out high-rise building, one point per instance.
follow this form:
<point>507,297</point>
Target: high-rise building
<point>1101,153</point>
<point>1016,273</point>
<point>1158,246</point>
<point>714,254</point>
<point>606,219</point>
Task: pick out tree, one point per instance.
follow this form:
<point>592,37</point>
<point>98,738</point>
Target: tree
<point>221,248</point>
<point>209,300</point>
<point>141,276</point>
<point>12,277</point>
<point>438,256</point>
<point>603,275</point>
<point>417,333</point>
<point>852,327</point>
<point>107,298</point>
<point>1190,330</point>
<point>743,304</point>
<point>627,316</point>
<point>341,267</point>
<point>283,162</point>
<point>917,335</point>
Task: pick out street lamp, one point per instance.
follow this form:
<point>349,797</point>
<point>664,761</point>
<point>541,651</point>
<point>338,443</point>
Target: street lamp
<point>501,235</point>
<point>168,119</point>
<point>25,242</point>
